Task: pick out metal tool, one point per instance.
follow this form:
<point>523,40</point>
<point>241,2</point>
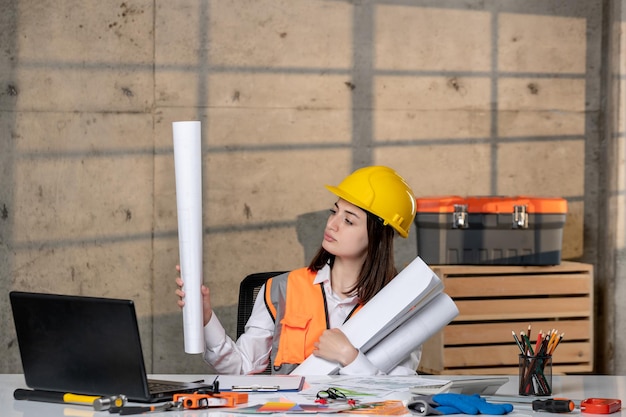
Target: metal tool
<point>108,403</point>
<point>168,406</point>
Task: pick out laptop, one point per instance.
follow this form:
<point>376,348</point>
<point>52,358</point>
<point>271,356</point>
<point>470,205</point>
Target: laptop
<point>85,345</point>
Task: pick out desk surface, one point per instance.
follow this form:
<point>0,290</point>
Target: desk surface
<point>571,386</point>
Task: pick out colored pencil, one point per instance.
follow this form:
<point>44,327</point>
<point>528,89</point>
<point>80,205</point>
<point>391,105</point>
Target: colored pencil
<point>517,341</point>
<point>556,343</point>
<point>539,340</point>
<point>529,348</point>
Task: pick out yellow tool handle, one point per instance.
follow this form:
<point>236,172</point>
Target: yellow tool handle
<point>80,399</point>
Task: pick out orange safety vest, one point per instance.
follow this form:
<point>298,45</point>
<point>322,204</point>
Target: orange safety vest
<point>300,316</point>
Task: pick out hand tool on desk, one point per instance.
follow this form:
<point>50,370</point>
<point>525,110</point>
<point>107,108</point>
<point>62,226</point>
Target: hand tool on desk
<point>99,402</point>
<point>554,405</point>
<point>110,403</point>
<point>191,401</point>
<point>141,409</point>
<point>200,399</point>
<point>600,405</point>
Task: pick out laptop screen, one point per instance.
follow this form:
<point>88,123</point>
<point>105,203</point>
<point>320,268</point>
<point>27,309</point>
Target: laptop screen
<point>78,344</point>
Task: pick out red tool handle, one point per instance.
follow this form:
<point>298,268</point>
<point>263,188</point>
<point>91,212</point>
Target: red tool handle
<point>600,405</point>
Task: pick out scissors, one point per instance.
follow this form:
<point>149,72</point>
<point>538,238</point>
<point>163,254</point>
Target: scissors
<point>324,396</point>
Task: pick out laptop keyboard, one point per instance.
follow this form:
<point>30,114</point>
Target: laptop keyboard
<point>158,386</point>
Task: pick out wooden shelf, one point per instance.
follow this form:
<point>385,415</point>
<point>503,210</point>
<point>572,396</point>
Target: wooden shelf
<point>495,300</point>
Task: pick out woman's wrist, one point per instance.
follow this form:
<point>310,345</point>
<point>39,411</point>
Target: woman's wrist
<point>350,356</point>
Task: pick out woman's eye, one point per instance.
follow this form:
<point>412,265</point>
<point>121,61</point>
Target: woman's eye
<point>333,212</point>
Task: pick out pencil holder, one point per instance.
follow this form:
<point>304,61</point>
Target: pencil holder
<point>535,375</point>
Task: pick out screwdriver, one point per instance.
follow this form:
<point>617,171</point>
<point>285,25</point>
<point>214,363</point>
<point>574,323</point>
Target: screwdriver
<point>554,405</point>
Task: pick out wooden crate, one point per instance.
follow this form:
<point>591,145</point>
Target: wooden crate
<point>495,300</point>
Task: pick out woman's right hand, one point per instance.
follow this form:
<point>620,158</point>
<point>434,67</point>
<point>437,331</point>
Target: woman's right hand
<point>207,311</point>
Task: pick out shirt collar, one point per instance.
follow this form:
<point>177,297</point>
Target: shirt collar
<point>322,275</point>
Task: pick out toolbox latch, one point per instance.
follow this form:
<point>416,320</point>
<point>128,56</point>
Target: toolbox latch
<point>459,217</point>
<point>520,217</point>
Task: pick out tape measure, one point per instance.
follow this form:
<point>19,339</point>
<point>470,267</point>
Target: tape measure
<point>600,405</point>
<point>218,399</point>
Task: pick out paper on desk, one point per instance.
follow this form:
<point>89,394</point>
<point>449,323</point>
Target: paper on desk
<point>368,386</point>
<point>188,171</point>
<point>406,295</point>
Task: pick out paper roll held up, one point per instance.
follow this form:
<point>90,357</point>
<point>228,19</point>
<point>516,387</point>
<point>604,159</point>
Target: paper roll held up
<point>188,171</point>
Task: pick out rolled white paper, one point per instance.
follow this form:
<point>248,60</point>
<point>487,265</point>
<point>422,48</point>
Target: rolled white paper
<point>188,171</point>
<point>395,303</point>
<point>394,348</point>
<point>406,296</point>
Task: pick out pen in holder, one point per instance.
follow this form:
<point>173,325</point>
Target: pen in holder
<point>535,362</point>
<point>535,374</point>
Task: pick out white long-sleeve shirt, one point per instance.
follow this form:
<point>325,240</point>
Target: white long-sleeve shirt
<point>251,352</point>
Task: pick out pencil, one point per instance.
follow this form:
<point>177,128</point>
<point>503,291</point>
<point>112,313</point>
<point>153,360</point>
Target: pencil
<point>544,345</point>
<point>519,344</point>
<point>539,340</point>
<point>529,348</point>
<point>556,343</point>
<point>552,339</point>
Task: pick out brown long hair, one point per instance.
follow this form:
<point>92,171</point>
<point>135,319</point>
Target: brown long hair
<point>378,268</point>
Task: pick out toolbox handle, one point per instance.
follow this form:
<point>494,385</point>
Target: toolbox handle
<point>520,217</point>
<point>459,217</point>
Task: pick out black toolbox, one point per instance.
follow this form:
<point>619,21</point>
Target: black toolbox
<point>480,230</point>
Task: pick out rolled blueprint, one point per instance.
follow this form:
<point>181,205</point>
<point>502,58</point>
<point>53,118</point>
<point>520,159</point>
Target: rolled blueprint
<point>188,171</point>
<point>395,303</point>
<point>405,297</point>
<point>394,348</point>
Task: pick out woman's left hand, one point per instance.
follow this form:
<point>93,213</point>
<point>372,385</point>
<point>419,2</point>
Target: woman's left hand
<point>334,346</point>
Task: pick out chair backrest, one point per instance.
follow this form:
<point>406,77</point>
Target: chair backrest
<point>248,290</point>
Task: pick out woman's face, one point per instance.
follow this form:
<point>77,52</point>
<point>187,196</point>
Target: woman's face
<point>345,235</point>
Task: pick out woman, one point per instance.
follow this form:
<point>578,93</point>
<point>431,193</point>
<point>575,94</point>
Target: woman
<point>298,313</point>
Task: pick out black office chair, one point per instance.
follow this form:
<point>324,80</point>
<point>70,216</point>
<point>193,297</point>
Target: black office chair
<point>248,290</point>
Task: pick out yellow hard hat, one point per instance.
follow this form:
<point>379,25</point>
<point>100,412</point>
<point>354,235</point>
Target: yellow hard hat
<point>381,191</point>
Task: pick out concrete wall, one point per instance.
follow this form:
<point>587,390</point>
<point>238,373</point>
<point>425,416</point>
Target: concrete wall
<point>616,290</point>
<point>460,97</point>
